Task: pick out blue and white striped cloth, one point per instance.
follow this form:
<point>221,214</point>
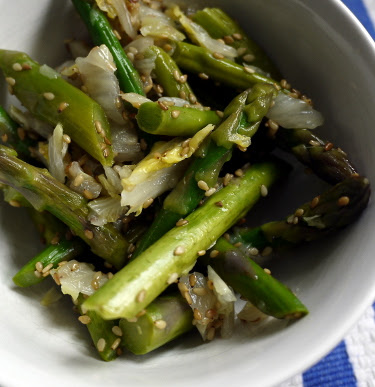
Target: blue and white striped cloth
<point>352,362</point>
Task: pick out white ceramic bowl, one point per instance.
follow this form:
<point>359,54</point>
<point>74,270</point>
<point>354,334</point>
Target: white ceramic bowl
<point>322,50</point>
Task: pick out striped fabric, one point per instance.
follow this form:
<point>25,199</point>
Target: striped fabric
<point>352,362</point>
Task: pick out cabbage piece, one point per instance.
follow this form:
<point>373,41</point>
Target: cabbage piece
<point>83,183</point>
<point>57,149</point>
<point>293,113</point>
<point>78,277</point>
<point>201,37</point>
<point>125,143</point>
<point>104,210</point>
<point>118,8</point>
<point>157,24</point>
<point>251,314</point>
<point>98,75</point>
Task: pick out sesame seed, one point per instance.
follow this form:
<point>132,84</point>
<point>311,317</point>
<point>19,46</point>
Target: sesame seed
<point>182,287</point>
<point>268,271</point>
<point>274,126</point>
<point>56,278</point>
<point>39,266</point>
<point>141,296</point>
<point>200,291</point>
<point>192,98</point>
<point>226,236</point>
<point>141,313</point>
<point>131,248</point>
<point>183,78</point>
<point>4,137</point>
<point>172,278</point>
<point>314,143</point>
<point>110,275</point>
<point>16,67</point>
<point>227,178</point>
<point>55,240</point>
<point>188,298</point>
<point>130,56</point>
<point>249,70</point>
<point>241,51</point>
<point>237,36</point>
<point>192,280</point>
<point>107,141</point>
<point>10,81</point>
<point>328,146</point>
<point>182,222</point>
<point>210,284</point>
<point>197,314</point>
<point>78,180</point>
<point>343,201</point>
<point>214,253</point>
<point>116,343</point>
<point>49,96</point>
<point>238,244</point>
<point>98,126</point>
<point>47,268</point>
<point>267,251</point>
<point>248,58</point>
<point>37,274</point>
<point>253,251</point>
<point>148,203</point>
<point>26,66</point>
<point>284,84</point>
<point>203,185</point>
<point>160,324</point>
<point>201,252</point>
<point>176,75</point>
<point>211,313</point>
<point>219,204</point>
<point>290,219</point>
<point>299,212</point>
<point>263,190</point>
<point>210,192</point>
<point>228,39</point>
<point>84,319</point>
<point>89,234</point>
<point>217,55</point>
<point>182,94</point>
<point>67,139</point>
<point>162,105</point>
<point>203,76</point>
<point>116,33</point>
<point>220,113</point>
<point>211,334</point>
<point>21,133</point>
<point>314,202</point>
<point>179,250</point>
<point>105,152</point>
<point>239,173</point>
<point>95,284</point>
<point>175,113</point>
<point>295,220</point>
<point>101,344</point>
<point>167,47</point>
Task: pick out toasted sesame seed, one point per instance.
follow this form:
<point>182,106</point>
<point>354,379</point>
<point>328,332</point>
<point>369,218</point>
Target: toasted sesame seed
<point>100,345</point>
<point>199,291</point>
<point>295,220</point>
<point>192,98</point>
<point>248,58</point>
<point>219,204</point>
<point>203,76</point>
<point>16,67</point>
<point>89,234</point>
<point>160,324</point>
<point>226,236</point>
<point>182,222</point>
<point>10,81</point>
<point>328,146</point>
<point>62,263</point>
<point>290,219</point>
<point>46,274</point>
<point>203,185</point>
<point>237,36</point>
<point>183,78</point>
<point>210,192</point>
<point>219,113</point>
<point>49,96</point>
<point>14,203</point>
<point>141,295</point>
<point>249,70</point>
<point>299,212</point>
<point>98,127</point>
<point>182,287</point>
<point>188,298</point>
<point>167,47</point>
<point>56,278</point>
<point>239,173</point>
<point>192,279</point>
<point>284,84</point>
<point>253,251</point>
<point>343,201</point>
<point>84,319</point>
<point>172,278</point>
<point>268,271</point>
<point>179,250</point>
<point>21,133</point>
<point>238,244</point>
<point>182,94</point>
<point>39,266</point>
<point>228,39</point>
<point>4,137</point>
<point>67,139</point>
<point>26,66</point>
<point>176,75</point>
<point>115,344</point>
<point>273,125</point>
<point>175,113</point>
<point>210,284</point>
<point>110,275</point>
<point>105,152</point>
<point>214,253</point>
<point>267,251</point>
<point>88,194</point>
<point>37,274</point>
<point>217,55</point>
<point>47,268</point>
<point>148,203</point>
<point>201,252</point>
<point>227,178</point>
<point>55,240</point>
<point>211,313</point>
<point>241,51</point>
<point>107,141</point>
<point>162,106</point>
<point>116,33</point>
<point>197,314</point>
<point>263,190</point>
<point>314,202</point>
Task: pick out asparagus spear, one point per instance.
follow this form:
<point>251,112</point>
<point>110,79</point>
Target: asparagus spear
<point>46,193</point>
<point>102,33</point>
<point>13,136</point>
<point>101,331</point>
<point>49,97</point>
<point>244,115</point>
<point>221,26</point>
<point>144,278</point>
<point>332,210</point>
<point>65,250</point>
<point>166,318</point>
<point>198,60</point>
<point>158,118</point>
<point>329,163</point>
<point>252,282</point>
<point>169,76</point>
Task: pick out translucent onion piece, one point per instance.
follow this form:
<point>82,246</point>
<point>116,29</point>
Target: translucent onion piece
<point>136,100</point>
<point>78,48</point>
<point>82,182</point>
<point>251,314</point>
<point>98,75</point>
<point>293,113</point>
<point>78,277</point>
<point>57,149</point>
<point>105,210</point>
<point>125,143</point>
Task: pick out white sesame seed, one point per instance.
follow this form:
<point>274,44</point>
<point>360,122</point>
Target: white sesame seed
<point>172,278</point>
<point>249,70</point>
<point>201,252</point>
<point>227,178</point>
<point>214,253</point>
<point>314,143</point>
<point>62,106</point>
<point>248,58</point>
<point>268,271</point>
<point>49,96</point>
<point>37,274</point>
<point>197,314</point>
<point>175,113</point>
<point>299,212</point>
<point>210,192</point>
<point>217,55</point>
<point>10,81</point>
<point>267,251</point>
<point>237,36</point>
<point>160,324</point>
<point>141,295</point>
<point>39,266</point>
<point>203,185</point>
<point>67,139</point>
<point>84,319</point>
<point>47,268</point>
<point>241,50</point>
<point>116,343</point>
<point>148,203</point>
<point>263,190</point>
<point>200,291</point>
<point>203,76</point>
<point>182,287</point>
<point>179,250</point>
<point>182,222</point>
<point>211,334</point>
<point>239,172</point>
<point>176,75</point>
<point>188,298</point>
<point>89,234</point>
<point>16,67</point>
<point>78,180</point>
<point>253,251</point>
<point>101,345</point>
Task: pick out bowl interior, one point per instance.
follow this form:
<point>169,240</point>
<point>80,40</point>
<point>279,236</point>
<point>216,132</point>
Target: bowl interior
<point>325,53</point>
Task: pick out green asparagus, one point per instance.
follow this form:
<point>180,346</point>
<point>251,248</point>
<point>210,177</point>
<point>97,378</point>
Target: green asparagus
<point>49,97</point>
<point>46,193</point>
<point>166,318</point>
